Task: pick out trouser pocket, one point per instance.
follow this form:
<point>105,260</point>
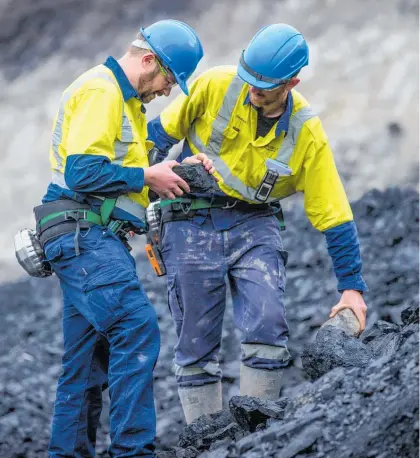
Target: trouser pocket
<point>174,303</point>
<point>111,292</point>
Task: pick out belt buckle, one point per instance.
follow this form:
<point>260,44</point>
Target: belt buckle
<point>125,234</point>
<point>75,215</point>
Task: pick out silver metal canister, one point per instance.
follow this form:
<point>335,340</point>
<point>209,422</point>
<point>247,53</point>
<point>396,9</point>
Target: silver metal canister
<point>30,255</point>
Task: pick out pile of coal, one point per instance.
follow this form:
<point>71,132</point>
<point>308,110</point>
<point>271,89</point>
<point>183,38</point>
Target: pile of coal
<point>358,401</point>
<point>367,406</point>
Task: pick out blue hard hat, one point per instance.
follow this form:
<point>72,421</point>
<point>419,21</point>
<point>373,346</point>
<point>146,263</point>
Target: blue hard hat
<point>177,46</point>
<point>274,55</point>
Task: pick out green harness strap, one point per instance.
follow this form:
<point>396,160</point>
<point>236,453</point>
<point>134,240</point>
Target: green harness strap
<point>82,214</point>
<point>106,209</point>
<point>86,215</point>
<point>185,204</point>
<point>190,204</point>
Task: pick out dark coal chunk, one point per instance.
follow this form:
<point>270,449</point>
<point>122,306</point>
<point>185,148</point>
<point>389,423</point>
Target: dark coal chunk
<point>250,412</point>
<point>207,425</point>
<point>230,432</point>
<point>302,441</point>
<point>410,315</point>
<point>384,338</point>
<point>178,452</point>
<point>379,329</point>
<point>221,443</point>
<point>197,177</point>
<point>166,454</point>
<point>333,348</point>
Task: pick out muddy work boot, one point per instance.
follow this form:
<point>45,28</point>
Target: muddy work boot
<point>260,383</point>
<point>200,400</point>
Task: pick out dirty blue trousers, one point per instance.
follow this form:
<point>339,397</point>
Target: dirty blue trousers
<point>198,258</point>
<point>111,339</point>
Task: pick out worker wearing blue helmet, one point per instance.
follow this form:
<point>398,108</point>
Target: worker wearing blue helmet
<point>265,143</point>
<point>96,200</point>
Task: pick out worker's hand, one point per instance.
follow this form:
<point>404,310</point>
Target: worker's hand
<point>353,300</point>
<point>161,179</point>
<point>201,158</point>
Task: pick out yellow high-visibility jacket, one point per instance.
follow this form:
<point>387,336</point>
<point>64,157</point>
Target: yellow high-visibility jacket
<point>99,145</point>
<point>241,158</point>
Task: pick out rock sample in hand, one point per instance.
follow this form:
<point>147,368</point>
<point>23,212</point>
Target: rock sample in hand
<point>345,320</point>
<point>197,177</point>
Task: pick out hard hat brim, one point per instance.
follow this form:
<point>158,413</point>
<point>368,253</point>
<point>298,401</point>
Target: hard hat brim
<point>252,81</point>
<point>182,85</point>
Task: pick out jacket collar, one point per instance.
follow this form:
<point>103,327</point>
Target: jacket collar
<point>126,87</point>
<point>283,123</point>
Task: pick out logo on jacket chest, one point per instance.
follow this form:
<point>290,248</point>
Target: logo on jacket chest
<point>241,119</point>
<point>270,148</point>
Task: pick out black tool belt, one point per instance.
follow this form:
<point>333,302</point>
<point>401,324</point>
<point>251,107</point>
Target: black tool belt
<point>185,208</point>
<point>63,224</point>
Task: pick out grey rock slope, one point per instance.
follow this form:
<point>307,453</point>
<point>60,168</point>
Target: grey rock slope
<point>30,338</point>
<point>370,410</point>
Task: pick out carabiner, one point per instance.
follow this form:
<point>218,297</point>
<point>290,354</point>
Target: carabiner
<point>228,205</point>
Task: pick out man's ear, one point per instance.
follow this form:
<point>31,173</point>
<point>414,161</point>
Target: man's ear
<point>292,83</point>
<point>148,59</point>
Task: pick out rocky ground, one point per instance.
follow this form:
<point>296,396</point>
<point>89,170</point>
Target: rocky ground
<point>369,409</point>
<point>363,81</point>
<point>359,406</point>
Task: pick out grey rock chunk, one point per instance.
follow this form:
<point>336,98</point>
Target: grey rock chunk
<point>346,321</point>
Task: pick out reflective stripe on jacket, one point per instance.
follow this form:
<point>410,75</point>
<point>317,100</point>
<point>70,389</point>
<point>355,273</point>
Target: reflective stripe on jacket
<point>94,119</point>
<point>216,118</point>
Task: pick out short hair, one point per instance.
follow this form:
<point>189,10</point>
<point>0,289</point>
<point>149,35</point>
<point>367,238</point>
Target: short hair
<point>139,46</point>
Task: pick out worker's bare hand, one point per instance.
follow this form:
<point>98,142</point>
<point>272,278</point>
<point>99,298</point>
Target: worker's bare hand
<point>353,300</point>
<point>161,179</point>
<point>201,158</point>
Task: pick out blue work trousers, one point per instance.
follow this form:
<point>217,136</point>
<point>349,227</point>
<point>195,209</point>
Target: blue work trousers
<point>198,259</point>
<point>111,338</point>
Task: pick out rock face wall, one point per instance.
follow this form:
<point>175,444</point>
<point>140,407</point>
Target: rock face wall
<point>361,402</point>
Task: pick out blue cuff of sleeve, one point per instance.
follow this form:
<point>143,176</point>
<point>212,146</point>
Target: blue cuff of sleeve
<point>135,178</point>
<point>343,247</point>
<point>158,135</point>
<point>356,282</point>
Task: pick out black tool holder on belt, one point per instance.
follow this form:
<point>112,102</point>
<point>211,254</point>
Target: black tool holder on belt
<point>73,219</point>
<point>185,208</point>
